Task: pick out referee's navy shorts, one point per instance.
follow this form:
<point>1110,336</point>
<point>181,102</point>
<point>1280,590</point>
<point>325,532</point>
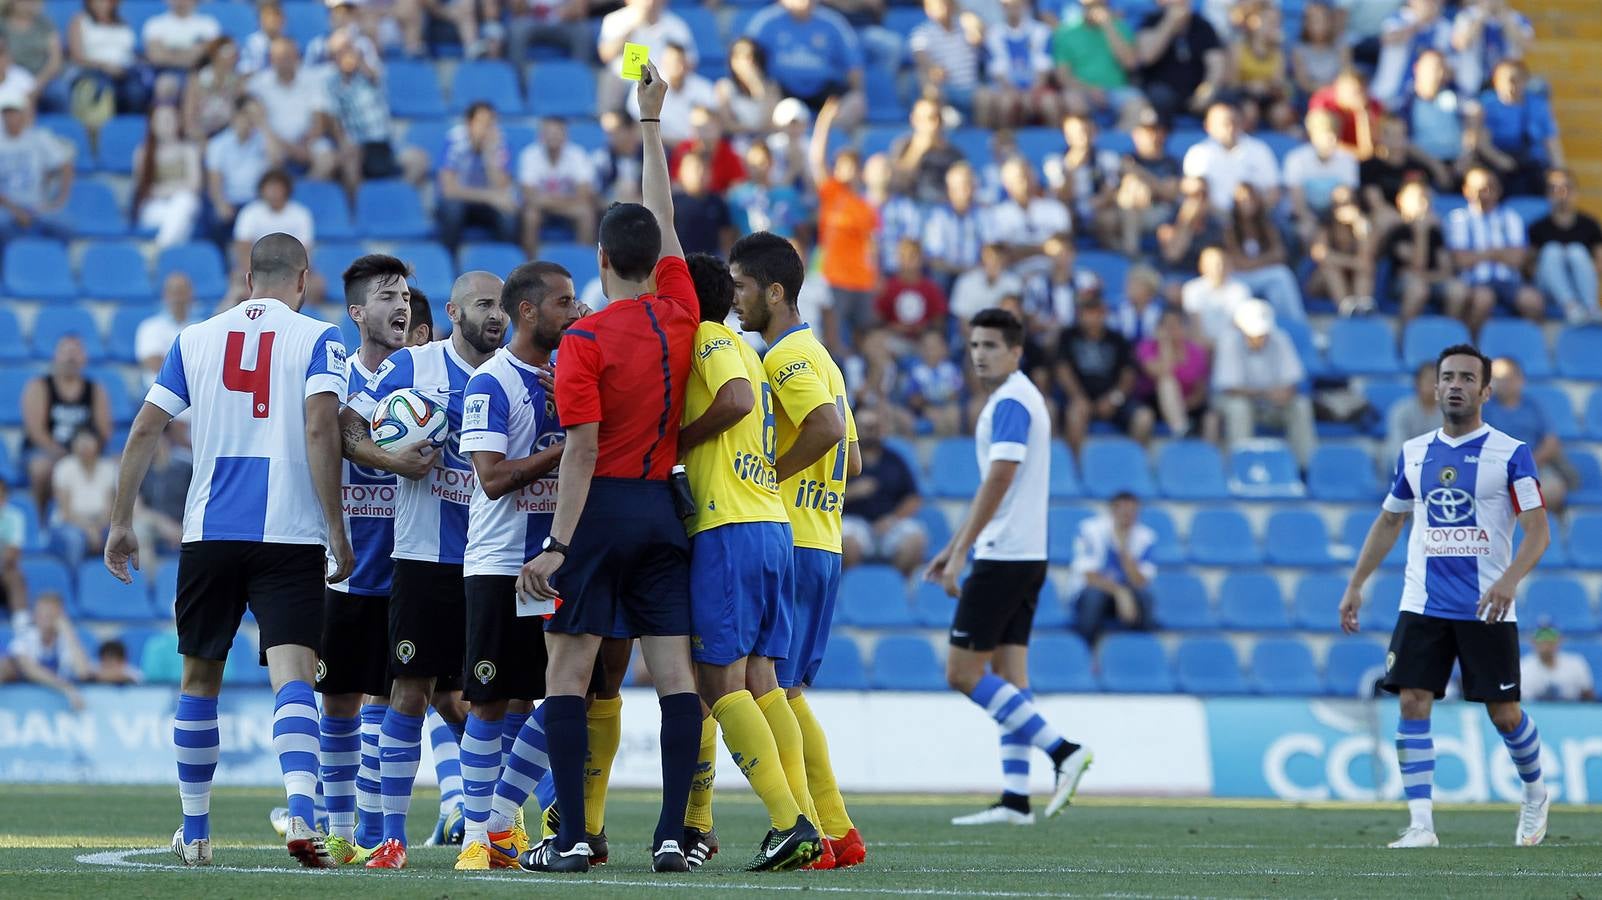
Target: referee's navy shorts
<point>627,571</point>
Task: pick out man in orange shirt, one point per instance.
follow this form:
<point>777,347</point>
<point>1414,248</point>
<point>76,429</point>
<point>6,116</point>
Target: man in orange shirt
<point>846,226</point>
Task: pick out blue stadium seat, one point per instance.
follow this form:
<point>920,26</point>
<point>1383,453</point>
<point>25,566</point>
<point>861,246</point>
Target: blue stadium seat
<point>238,20</point>
<point>1350,661</point>
<point>1191,470</point>
<point>1169,550</point>
<point>1520,339</point>
<point>159,659</point>
<point>1343,472</point>
<point>1382,394</point>
<point>1297,537</point>
<point>13,380</point>
<point>1180,603</point>
<point>874,596</point>
<point>1591,650</point>
<point>1579,353</point>
<point>885,105</point>
<point>1426,336</point>
<point>70,130</point>
<point>118,400</point>
<point>576,258</point>
<point>841,669</point>
<point>1039,144</point>
<point>588,135</point>
<point>1301,334</point>
<point>498,258</point>
<point>12,350</point>
<point>1284,666</point>
<point>46,574</point>
<point>1559,412</point>
<point>1111,268</point>
<point>1530,208</point>
<point>1060,664</point>
<point>954,469</point>
<point>1593,415</point>
<point>1252,601</point>
<point>974,144</point>
<point>304,21</point>
<point>1135,664</point>
<point>64,319</point>
<point>489,80</point>
<point>703,24</point>
<point>244,663</point>
<point>391,210</point>
<point>433,271</point>
<point>429,135</point>
<point>1052,613</point>
<point>33,541</point>
<point>1183,139</point>
<point>1563,600</point>
<point>326,202</point>
<point>904,662</point>
<point>1315,606</point>
<point>561,88</point>
<point>1223,537</point>
<point>37,269</point>
<point>164,587</point>
<point>330,259</point>
<point>1062,530</point>
<point>92,211</point>
<point>1589,490</point>
<point>935,526</point>
<point>1363,346</point>
<point>931,606</point>
<point>134,639</point>
<point>118,140</point>
<point>1112,465</point>
<point>1383,604</point>
<point>1064,474</point>
<point>1355,529</point>
<point>116,270</point>
<point>202,262</point>
<point>1208,665</point>
<point>137,12</point>
<point>102,596</point>
<point>1264,469</point>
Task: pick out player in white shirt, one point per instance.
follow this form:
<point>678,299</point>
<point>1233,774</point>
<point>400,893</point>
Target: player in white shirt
<point>426,600</point>
<point>1006,531</point>
<point>264,382</point>
<point>1465,487</point>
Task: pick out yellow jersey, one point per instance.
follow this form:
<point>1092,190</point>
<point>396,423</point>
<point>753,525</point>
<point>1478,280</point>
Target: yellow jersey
<point>731,475</point>
<point>804,377</point>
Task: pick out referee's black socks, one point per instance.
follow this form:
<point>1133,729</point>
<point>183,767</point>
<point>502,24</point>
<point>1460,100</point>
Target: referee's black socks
<point>681,748</point>
<point>568,739</point>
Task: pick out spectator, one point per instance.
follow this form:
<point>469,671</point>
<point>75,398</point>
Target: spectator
<point>1259,70</point>
<point>847,224</point>
<point>791,136</point>
<point>1357,115</point>
<point>13,534</point>
<point>1212,299</point>
<point>167,179</point>
<point>882,48</point>
<point>475,186</point>
<point>748,95</point>
<point>900,215</point>
<point>345,28</point>
<point>159,509</point>
<point>707,138</point>
<point>1052,296</point>
<point>1314,170</point>
<point>478,31</point>
<point>814,55</point>
<point>1257,375</point>
<point>1417,27</point>
<point>759,203</point>
<point>294,100</point>
<point>1083,177</point>
<point>1194,228</point>
<point>1147,188</point>
<point>1553,674</point>
<point>1515,413</point>
<point>100,50</point>
<point>881,522</point>
<point>1139,316</point>
<point>1412,416</point>
<point>254,55</point>
<point>1182,62</point>
<point>274,210</point>
<point>1319,54</point>
<point>1568,252</point>
<point>1433,111</point>
<point>1257,254</point>
<point>83,484</point>
<point>16,83</point>
<point>38,174</point>
<point>210,96</point>
<point>236,161</point>
<point>1522,131</point>
<point>47,653</point>
<point>910,303</point>
<point>1365,23</point>
<point>176,40</point>
<point>982,288</point>
<point>1036,362</point>
<point>1094,57</point>
<point>54,407</point>
<point>1490,249</point>
<point>558,180</point>
<point>952,230</point>
<point>365,133</point>
<point>1020,69</point>
<point>645,22</point>
<point>30,41</point>
<point>617,164</point>
<point>922,156</point>
<point>1096,373</point>
<point>947,52</point>
<point>688,92</point>
<point>1173,380</point>
<point>872,373</point>
<point>934,385</point>
<point>703,219</point>
<point>1421,264</point>
<point>1341,246</point>
<point>1485,33</point>
<point>1113,554</point>
<point>155,335</point>
<point>1395,162</point>
<point>1229,158</point>
<point>112,666</point>
<point>563,24</point>
<point>1023,220</point>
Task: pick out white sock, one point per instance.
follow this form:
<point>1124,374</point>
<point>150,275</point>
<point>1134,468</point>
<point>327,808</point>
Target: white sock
<point>1423,813</point>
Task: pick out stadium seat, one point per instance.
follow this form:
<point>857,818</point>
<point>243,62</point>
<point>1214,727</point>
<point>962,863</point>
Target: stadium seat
<point>1191,470</point>
<point>1425,337</point>
<point>13,381</point>
<point>432,270</point>
<point>874,596</point>
<point>954,469</point>
<point>102,596</point>
<point>1343,472</point>
<point>491,81</point>
<point>904,662</point>
<point>1134,664</point>
<point>1062,530</point>
<point>561,88</point>
<point>238,20</point>
<point>1382,394</point>
<point>164,587</point>
<point>1562,600</point>
<point>879,138</point>
<point>244,663</point>
<point>1579,353</point>
<point>1529,207</point>
<point>1383,604</point>
<point>1264,469</point>
<point>118,400</point>
<point>1180,603</point>
<point>67,319</point>
<point>37,269</point>
<point>931,606</point>
<point>116,270</point>
<point>1111,268</point>
<point>1112,465</point>
<point>841,669</point>
<point>1297,537</point>
<point>1520,339</point>
<point>1223,537</point>
<point>1052,613</point>
<point>1284,666</point>
<point>1060,664</point>
<point>935,526</point>
<point>118,140</point>
<point>1182,139</point>
<point>1559,411</point>
<point>304,21</point>
<point>391,210</point>
<point>429,135</point>
<point>159,659</point>
<point>1169,550</point>
<point>12,350</point>
<point>134,639</point>
<point>202,263</point>
<point>498,258</point>
<point>1362,346</point>
<point>1355,530</point>
<point>46,574</point>
<point>1593,416</point>
<point>1591,650</point>
<point>1589,490</point>
<point>576,258</point>
<point>1208,665</point>
<point>1316,604</point>
<point>974,144</point>
<point>1064,474</point>
<point>1351,660</point>
<point>326,202</point>
<point>71,130</point>
<point>704,31</point>
<point>1252,601</point>
<point>92,211</point>
<point>885,106</point>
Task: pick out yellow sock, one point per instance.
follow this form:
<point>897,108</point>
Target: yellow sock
<point>792,756</point>
<point>820,772</point>
<point>750,740</point>
<point>698,813</point>
<point>606,730</point>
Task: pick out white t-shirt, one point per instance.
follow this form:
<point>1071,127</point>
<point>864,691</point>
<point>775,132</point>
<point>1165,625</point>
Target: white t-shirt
<point>257,220</point>
<point>669,29</point>
<point>18,84</point>
<point>974,291</point>
<point>1015,426</point>
<point>1275,365</point>
<point>155,335</point>
<point>180,32</point>
<point>1249,161</point>
<point>677,106</point>
<point>571,170</point>
<point>1213,308</point>
<point>26,162</point>
<point>84,493</point>
<point>290,107</point>
<point>1567,679</point>
<point>1009,223</point>
<point>1316,177</point>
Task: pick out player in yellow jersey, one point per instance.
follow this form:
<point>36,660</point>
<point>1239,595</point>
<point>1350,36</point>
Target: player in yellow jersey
<point>816,448</point>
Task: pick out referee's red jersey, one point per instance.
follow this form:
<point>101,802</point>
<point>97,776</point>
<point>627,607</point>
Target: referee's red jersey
<point>626,367</point>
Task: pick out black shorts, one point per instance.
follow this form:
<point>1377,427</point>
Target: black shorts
<point>1423,649</point>
<point>281,583</point>
<point>998,602</point>
<point>427,622</point>
<point>355,656</point>
<point>505,658</point>
<point>627,573</point>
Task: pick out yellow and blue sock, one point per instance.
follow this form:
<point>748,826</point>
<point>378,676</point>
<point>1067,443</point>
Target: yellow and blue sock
<point>340,757</point>
<point>446,738</point>
<point>400,753</point>
<point>792,749</point>
<point>198,744</point>
<point>604,724</point>
<point>698,812</point>
<point>1415,753</point>
<point>526,766</point>
<point>369,790</point>
<point>295,741</point>
<point>834,821</point>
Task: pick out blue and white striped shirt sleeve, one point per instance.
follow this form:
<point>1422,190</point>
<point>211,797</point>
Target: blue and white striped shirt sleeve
<point>327,371</point>
<point>486,415</point>
<point>1400,498</point>
<point>171,390</point>
<point>1009,431</point>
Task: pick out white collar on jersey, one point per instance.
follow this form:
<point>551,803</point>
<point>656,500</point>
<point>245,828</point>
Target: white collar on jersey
<point>1448,440</point>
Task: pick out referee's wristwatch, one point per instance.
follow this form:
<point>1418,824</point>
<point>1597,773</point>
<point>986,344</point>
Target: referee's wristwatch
<point>552,545</point>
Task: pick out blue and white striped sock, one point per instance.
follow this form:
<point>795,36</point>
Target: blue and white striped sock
<point>1415,754</point>
<point>447,760</point>
<point>481,768</point>
<point>341,756</point>
<point>1016,713</point>
<point>1524,745</point>
<point>511,727</point>
<point>295,742</point>
<point>369,789</point>
<point>526,767</point>
<point>545,791</point>
<point>400,752</point>
<point>198,744</point>
<point>1015,751</point>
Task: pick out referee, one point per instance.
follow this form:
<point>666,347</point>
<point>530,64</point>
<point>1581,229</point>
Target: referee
<point>617,553</point>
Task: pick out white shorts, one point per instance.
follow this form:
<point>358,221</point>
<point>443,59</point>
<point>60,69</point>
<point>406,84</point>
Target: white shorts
<point>876,546</point>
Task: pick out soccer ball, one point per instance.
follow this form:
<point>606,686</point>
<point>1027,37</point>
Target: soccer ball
<point>406,417</point>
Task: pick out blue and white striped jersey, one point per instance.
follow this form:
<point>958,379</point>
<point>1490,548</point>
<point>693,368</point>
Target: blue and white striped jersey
<point>431,512</point>
<point>369,498</point>
<point>1465,494</point>
<point>247,372</point>
<point>1015,426</point>
<point>508,412</point>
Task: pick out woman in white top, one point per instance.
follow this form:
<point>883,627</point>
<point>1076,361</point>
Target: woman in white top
<point>748,95</point>
<point>100,45</point>
<point>84,483</point>
<point>211,95</point>
<point>167,178</point>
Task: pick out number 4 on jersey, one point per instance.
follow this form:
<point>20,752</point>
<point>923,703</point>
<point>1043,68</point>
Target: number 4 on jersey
<point>256,382</point>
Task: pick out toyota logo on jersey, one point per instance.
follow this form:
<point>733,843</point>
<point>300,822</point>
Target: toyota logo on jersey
<point>1449,506</point>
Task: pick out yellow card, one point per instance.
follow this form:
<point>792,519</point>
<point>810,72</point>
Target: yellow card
<point>635,56</point>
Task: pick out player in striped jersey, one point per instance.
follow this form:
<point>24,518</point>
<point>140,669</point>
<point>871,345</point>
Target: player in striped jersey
<point>264,383</point>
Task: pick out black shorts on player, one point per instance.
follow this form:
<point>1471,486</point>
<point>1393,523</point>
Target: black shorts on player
<point>1423,649</point>
<point>998,603</point>
<point>627,572</point>
<point>282,584</point>
<point>355,648</point>
<point>427,622</point>
<point>505,658</point>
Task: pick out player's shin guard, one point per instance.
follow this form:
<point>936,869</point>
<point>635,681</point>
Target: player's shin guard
<point>698,812</point>
<point>341,751</point>
<point>1524,745</point>
<point>605,725</point>
<point>525,767</point>
<point>792,750</point>
<point>833,820</point>
<point>400,748</point>
<point>1415,753</point>
<point>681,743</point>
<point>295,741</point>
<point>369,789</point>
<point>750,742</point>
<point>481,768</point>
<point>198,745</point>
<point>445,739</point>
<point>568,737</point>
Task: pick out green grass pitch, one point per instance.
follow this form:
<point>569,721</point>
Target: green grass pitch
<point>75,841</point>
